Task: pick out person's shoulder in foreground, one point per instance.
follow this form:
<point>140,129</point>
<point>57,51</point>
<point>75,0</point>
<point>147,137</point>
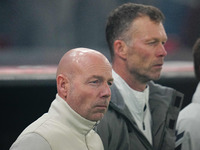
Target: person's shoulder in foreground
<point>84,77</point>
<point>141,114</point>
<point>188,133</point>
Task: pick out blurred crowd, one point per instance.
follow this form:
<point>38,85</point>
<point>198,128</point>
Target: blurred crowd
<point>76,23</point>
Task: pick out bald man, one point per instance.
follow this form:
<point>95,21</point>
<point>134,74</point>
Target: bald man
<point>84,77</point>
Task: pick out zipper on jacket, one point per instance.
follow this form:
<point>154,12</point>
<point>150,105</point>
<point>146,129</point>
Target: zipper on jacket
<point>93,128</point>
<point>138,132</point>
<point>143,125</point>
<point>144,110</point>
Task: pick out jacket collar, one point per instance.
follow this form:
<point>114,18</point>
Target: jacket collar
<point>118,104</point>
<point>61,111</point>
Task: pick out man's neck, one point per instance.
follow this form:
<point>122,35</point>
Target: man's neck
<point>131,80</point>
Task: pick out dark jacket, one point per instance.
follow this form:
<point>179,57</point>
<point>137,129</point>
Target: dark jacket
<point>118,129</point>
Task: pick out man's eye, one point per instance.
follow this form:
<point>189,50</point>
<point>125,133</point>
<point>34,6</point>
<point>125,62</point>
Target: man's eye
<point>94,81</point>
<point>152,43</point>
<point>163,43</point>
<point>110,83</point>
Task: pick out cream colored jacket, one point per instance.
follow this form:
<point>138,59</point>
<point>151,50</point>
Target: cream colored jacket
<point>188,133</point>
<point>59,129</point>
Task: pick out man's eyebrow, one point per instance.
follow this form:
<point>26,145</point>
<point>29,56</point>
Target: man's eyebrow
<point>111,79</point>
<point>101,78</point>
<point>96,76</point>
<point>152,39</point>
<point>157,39</point>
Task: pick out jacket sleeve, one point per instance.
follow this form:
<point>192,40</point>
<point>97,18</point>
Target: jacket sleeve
<point>183,140</point>
<point>165,104</point>
<point>188,132</point>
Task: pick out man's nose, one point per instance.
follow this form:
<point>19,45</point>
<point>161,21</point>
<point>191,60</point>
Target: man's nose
<point>161,50</point>
<point>106,92</point>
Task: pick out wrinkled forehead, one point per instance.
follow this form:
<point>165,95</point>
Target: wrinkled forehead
<point>143,26</point>
<point>89,70</point>
<point>99,70</point>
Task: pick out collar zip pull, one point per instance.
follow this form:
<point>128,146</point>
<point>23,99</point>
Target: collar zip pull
<point>144,110</point>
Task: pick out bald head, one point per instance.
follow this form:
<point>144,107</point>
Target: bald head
<point>77,58</point>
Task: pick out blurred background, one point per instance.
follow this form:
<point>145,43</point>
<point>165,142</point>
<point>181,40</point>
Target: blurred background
<point>40,31</point>
<point>36,33</point>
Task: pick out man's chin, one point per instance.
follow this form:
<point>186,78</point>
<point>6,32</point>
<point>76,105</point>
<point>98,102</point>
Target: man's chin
<point>155,76</point>
<point>97,117</point>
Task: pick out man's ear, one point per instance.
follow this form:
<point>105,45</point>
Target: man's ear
<point>120,49</point>
<point>62,85</point>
